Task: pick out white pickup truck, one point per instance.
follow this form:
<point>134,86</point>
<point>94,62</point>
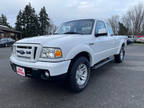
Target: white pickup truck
<point>76,47</point>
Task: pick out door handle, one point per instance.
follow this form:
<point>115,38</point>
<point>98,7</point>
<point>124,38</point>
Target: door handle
<point>91,43</point>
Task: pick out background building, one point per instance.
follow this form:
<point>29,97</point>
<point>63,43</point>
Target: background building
<point>6,32</point>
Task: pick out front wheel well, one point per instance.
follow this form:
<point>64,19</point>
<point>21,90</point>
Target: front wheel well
<point>84,54</point>
<point>81,54</point>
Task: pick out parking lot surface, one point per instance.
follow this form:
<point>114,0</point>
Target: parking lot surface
<point>111,86</point>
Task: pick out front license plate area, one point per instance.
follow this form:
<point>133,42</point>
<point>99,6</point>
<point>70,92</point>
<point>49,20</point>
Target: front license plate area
<point>20,71</point>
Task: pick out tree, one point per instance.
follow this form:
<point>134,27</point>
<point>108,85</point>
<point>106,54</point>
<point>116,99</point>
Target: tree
<point>134,19</point>
<point>127,24</point>
<point>19,21</point>
<point>3,21</point>
<point>142,30</point>
<point>30,22</point>
<point>114,21</point>
<point>52,28</point>
<point>122,29</point>
<point>44,21</point>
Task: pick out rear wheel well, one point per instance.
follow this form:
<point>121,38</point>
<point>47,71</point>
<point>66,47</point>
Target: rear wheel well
<point>123,45</point>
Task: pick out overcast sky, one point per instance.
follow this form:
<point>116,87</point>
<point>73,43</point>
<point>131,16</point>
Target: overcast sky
<point>62,10</point>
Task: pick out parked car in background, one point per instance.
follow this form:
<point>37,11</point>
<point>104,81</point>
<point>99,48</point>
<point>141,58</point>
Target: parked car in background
<point>130,41</point>
<point>5,42</point>
<point>140,36</point>
<point>141,40</point>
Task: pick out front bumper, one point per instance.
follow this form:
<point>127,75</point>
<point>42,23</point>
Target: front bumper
<point>54,69</point>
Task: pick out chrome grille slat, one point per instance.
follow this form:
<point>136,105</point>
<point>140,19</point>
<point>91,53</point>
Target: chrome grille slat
<point>24,47</point>
<point>35,50</point>
<point>24,57</point>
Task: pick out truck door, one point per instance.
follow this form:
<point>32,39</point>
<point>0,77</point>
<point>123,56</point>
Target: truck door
<point>103,43</point>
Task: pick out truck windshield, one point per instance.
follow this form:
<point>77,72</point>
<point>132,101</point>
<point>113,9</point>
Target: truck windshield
<point>76,27</point>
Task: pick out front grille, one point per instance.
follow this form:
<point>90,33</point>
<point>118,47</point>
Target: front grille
<point>27,51</point>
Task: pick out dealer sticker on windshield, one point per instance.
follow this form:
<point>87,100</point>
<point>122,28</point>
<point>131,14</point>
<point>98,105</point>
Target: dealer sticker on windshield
<point>20,71</point>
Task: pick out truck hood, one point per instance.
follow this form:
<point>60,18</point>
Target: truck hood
<point>65,42</point>
<point>40,39</point>
<point>51,40</point>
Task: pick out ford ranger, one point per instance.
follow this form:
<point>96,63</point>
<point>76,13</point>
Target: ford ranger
<point>73,50</point>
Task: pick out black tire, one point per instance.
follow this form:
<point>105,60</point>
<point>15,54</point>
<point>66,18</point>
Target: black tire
<point>75,87</point>
<point>120,57</point>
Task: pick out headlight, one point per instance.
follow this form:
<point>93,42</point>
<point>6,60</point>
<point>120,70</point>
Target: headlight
<point>51,53</point>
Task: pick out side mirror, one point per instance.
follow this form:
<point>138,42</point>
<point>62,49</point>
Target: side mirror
<point>101,32</point>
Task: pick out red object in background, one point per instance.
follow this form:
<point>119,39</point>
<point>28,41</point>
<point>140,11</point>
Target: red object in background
<point>140,36</point>
<point>139,39</point>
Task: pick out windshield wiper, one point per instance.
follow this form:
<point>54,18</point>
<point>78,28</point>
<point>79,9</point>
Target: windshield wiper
<point>72,33</point>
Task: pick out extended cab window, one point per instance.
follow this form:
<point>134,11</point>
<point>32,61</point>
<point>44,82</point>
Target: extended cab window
<point>100,26</point>
<point>109,29</point>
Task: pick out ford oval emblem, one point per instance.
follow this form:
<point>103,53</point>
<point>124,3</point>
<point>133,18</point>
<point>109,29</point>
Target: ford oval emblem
<point>21,52</point>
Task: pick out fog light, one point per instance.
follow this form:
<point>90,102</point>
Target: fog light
<point>47,74</point>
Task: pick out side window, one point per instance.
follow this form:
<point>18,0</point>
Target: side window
<point>109,29</point>
<point>100,26</point>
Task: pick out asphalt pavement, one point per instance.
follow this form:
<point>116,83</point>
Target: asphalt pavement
<point>111,86</point>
